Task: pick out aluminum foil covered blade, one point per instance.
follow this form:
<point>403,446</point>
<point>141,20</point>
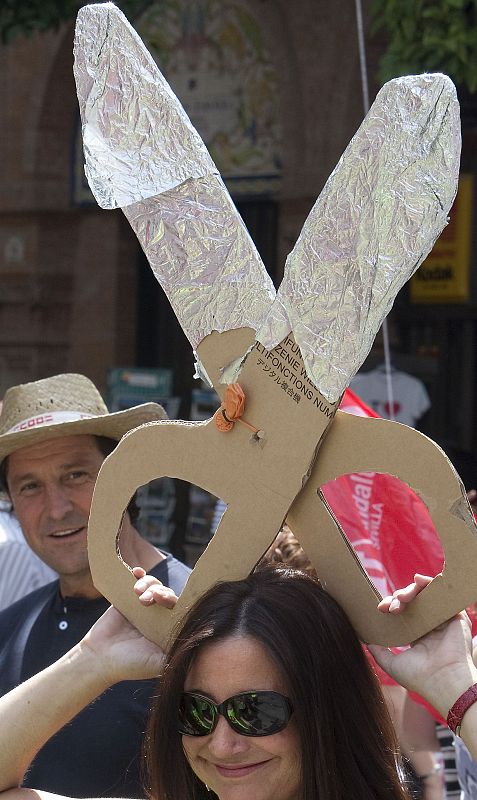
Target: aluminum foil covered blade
<point>143,155</point>
<point>376,220</point>
<point>137,138</point>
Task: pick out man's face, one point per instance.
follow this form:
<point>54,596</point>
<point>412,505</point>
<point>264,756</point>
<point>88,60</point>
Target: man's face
<point>51,487</point>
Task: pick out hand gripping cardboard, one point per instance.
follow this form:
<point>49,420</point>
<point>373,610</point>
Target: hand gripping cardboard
<point>266,479</point>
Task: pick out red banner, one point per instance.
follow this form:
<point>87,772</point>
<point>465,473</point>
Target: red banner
<point>387,524</point>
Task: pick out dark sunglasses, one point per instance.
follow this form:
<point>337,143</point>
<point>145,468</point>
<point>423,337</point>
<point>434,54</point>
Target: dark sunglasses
<point>248,713</point>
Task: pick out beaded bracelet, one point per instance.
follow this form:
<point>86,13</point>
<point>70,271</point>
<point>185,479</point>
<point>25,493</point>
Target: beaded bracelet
<point>461,705</point>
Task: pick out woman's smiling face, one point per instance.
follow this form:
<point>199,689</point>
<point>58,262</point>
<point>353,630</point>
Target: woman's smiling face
<point>239,767</point>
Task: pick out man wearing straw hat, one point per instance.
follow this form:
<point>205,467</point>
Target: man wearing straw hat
<point>54,436</point>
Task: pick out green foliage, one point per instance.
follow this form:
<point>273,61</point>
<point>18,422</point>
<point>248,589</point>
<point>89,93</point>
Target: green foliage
<point>429,36</point>
<point>25,17</point>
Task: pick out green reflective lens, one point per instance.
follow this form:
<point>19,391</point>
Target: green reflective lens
<point>248,713</point>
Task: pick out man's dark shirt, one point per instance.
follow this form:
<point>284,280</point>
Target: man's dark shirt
<point>98,752</point>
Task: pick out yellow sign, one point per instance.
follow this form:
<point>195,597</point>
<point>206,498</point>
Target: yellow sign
<point>444,275</point>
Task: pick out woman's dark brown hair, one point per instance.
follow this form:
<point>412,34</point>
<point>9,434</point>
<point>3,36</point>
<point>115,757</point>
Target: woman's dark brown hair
<point>347,740</point>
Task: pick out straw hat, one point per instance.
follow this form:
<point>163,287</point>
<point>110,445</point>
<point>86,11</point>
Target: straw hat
<point>64,405</point>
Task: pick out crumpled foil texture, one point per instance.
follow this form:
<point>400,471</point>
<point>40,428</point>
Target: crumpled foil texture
<point>374,223</point>
<point>138,140</point>
<point>143,155</point>
<point>203,257</point>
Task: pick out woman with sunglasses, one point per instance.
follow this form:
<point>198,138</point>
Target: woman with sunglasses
<point>275,700</point>
<point>265,695</point>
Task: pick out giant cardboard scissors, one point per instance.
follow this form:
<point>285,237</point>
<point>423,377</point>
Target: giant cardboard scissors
<point>294,352</point>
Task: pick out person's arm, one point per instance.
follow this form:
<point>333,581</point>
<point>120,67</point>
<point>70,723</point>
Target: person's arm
<point>419,734</point>
<point>438,666</point>
<point>420,751</point>
<point>418,726</point>
<point>38,708</point>
<point>112,651</point>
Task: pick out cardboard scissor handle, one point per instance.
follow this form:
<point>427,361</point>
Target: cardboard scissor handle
<point>189,451</point>
<point>264,483</point>
<point>257,477</point>
<point>192,452</point>
<point>360,444</point>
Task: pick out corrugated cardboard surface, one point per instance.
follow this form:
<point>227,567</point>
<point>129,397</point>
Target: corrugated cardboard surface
<point>275,476</point>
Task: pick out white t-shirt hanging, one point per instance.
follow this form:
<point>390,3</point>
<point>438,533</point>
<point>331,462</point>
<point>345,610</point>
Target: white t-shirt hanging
<point>410,397</point>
